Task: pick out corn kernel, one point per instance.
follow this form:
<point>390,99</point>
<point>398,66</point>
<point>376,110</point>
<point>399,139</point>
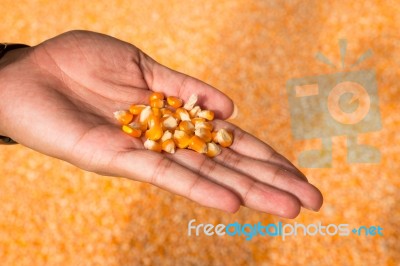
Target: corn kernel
<point>152,145</point>
<point>194,111</point>
<point>144,115</point>
<point>166,111</point>
<point>207,114</point>
<point>204,134</point>
<point>183,114</point>
<point>157,103</point>
<point>177,117</point>
<point>213,149</point>
<point>156,95</point>
<point>168,146</point>
<point>169,122</point>
<point>124,117</point>
<point>135,125</point>
<point>156,112</point>
<point>181,139</point>
<point>154,134</point>
<point>132,131</point>
<point>206,125</point>
<point>198,145</point>
<point>191,102</point>
<point>197,120</point>
<point>136,109</point>
<point>155,131</point>
<point>224,138</point>
<point>166,136</point>
<point>186,126</point>
<point>174,101</point>
<point>153,120</point>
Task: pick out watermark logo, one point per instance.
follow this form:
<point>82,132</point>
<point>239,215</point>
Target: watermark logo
<point>342,103</point>
<point>280,230</point>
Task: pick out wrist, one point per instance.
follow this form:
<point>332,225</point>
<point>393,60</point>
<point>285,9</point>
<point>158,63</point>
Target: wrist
<point>9,54</point>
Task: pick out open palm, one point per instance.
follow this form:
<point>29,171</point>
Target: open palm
<point>62,104</point>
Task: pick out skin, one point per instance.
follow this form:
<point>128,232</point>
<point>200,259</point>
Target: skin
<point>58,98</point>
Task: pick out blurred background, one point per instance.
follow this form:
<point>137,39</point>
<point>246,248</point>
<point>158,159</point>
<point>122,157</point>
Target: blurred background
<point>52,213</point>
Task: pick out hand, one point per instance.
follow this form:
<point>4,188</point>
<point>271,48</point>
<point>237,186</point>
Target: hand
<point>59,97</point>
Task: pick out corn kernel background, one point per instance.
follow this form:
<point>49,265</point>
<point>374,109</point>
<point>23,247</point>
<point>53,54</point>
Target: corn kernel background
<point>52,213</point>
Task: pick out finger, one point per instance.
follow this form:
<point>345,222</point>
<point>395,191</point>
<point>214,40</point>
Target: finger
<point>155,168</point>
<point>172,83</point>
<point>273,175</point>
<point>253,194</point>
<point>250,146</point>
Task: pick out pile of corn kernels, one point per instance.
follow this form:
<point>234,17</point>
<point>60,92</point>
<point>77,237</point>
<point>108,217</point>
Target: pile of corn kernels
<point>170,124</point>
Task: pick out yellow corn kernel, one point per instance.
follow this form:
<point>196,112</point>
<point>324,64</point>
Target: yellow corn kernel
<point>183,114</point>
<point>136,109</point>
<point>174,101</point>
<point>177,117</point>
<point>194,111</point>
<point>152,145</point>
<point>204,134</point>
<point>206,125</point>
<point>156,96</point>
<point>166,136</point>
<point>135,125</point>
<point>138,125</point>
<point>198,145</point>
<point>157,103</point>
<point>186,126</point>
<point>168,146</point>
<point>181,139</point>
<point>156,112</point>
<point>197,120</point>
<point>169,122</point>
<point>213,149</point>
<point>166,111</point>
<point>207,114</point>
<point>132,131</point>
<point>155,131</point>
<point>224,138</point>
<point>152,120</point>
<point>144,115</point>
<point>124,117</point>
<point>191,102</point>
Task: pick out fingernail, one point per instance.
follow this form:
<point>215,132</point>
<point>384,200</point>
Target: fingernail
<point>235,112</point>
<point>316,210</point>
<point>311,209</point>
